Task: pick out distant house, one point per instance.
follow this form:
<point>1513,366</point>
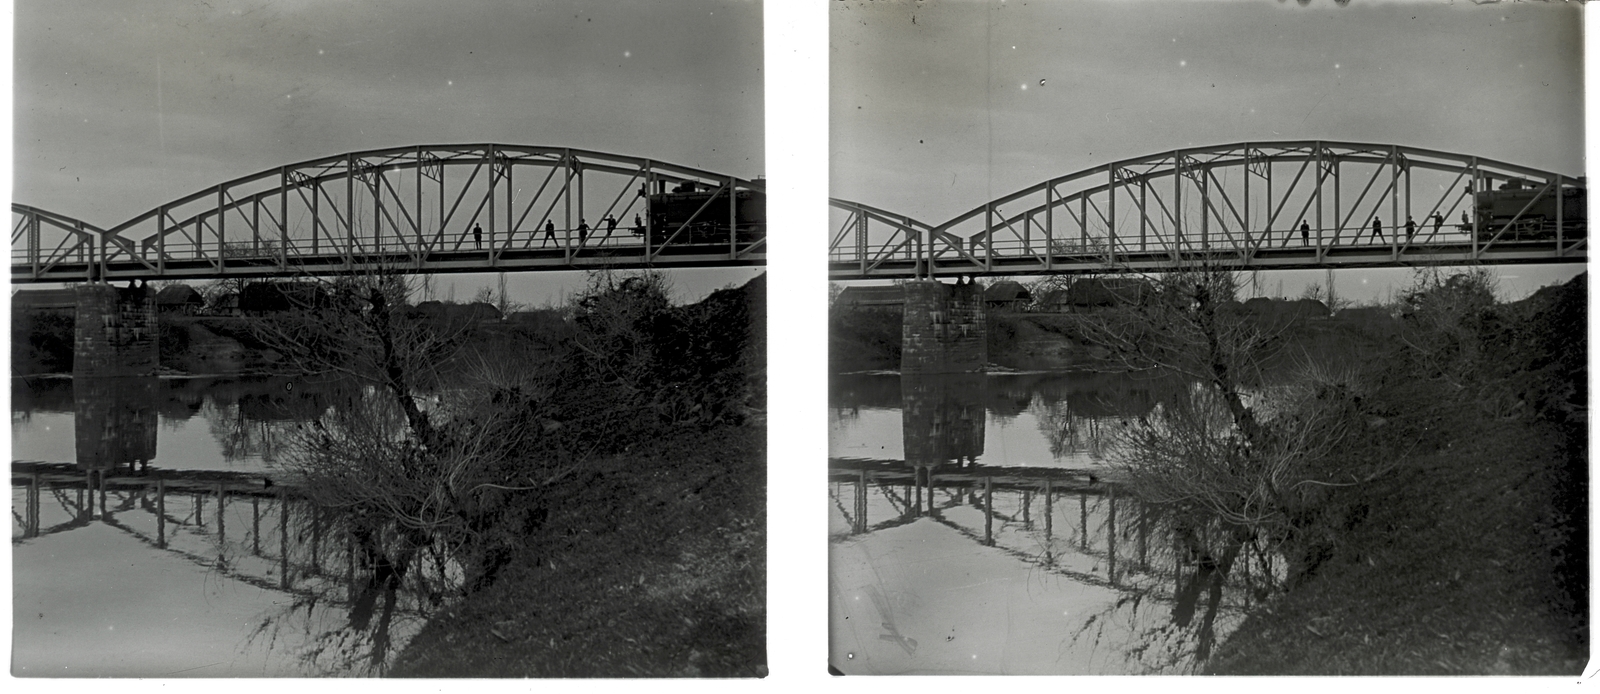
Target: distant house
<point>179,298</point>
<point>890,298</point>
<point>1104,292</point>
<point>267,297</point>
<point>226,304</point>
<point>43,300</point>
<point>477,312</point>
<point>1006,294</point>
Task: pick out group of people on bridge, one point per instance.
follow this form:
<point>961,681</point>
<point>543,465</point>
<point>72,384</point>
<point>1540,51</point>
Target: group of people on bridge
<point>583,231</point>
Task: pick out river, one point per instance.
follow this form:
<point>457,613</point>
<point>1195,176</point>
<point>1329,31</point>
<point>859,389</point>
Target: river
<point>185,562</point>
<point>973,530</point>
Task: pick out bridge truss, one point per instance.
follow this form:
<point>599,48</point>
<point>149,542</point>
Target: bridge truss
<point>1269,205</point>
<point>439,208</point>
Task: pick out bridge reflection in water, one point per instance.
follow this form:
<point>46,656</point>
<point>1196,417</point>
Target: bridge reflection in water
<point>1078,523</point>
<point>253,528</point>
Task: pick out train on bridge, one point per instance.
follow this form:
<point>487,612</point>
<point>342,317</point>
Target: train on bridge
<point>696,214</point>
<point>1517,211</point>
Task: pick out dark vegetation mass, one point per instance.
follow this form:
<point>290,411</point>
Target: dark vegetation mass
<point>1405,486</point>
<point>573,491</point>
<point>1465,550</point>
<point>626,420</point>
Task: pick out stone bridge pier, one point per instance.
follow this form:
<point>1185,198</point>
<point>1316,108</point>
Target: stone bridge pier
<point>944,330</point>
<point>115,333</point>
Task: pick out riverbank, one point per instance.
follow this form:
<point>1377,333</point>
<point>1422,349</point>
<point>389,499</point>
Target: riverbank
<point>1457,569</point>
<point>1469,556</point>
<point>653,564</point>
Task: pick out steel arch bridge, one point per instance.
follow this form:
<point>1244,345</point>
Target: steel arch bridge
<point>1244,206</point>
<point>424,208</point>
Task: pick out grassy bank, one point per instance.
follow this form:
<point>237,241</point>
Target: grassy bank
<point>655,566</point>
<point>1458,567</point>
<point>1469,554</point>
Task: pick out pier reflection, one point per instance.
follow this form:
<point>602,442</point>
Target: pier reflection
<point>115,422</point>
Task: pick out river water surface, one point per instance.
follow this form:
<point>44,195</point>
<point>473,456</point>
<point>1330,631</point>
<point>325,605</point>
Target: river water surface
<point>214,576</point>
<point>973,531</point>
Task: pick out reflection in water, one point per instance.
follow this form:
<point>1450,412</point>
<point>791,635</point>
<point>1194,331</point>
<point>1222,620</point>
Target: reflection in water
<point>1089,579</point>
<point>230,544</point>
<point>1004,420</point>
<point>115,422</point>
<point>942,418</point>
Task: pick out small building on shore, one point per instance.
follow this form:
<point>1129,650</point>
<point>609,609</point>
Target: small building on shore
<point>180,299</point>
<point>890,298</point>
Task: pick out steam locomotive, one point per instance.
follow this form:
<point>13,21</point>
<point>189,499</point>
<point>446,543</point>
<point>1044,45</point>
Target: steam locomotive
<point>1497,208</point>
<point>697,214</point>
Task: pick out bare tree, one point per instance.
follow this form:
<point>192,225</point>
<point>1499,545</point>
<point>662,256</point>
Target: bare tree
<point>1231,452</point>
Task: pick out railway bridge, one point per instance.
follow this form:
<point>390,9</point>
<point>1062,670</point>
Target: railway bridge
<point>1246,206</point>
<point>1243,206</point>
<point>421,209</point>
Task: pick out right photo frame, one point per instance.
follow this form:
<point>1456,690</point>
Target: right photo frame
<point>1227,338</point>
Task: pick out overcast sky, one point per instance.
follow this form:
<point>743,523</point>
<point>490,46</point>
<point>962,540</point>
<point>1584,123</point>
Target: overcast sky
<point>938,107</point>
<point>122,106</point>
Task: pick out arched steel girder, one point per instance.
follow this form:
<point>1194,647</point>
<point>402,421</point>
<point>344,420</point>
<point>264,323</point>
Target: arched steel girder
<point>905,239</point>
<point>429,208</point>
<point>48,239</point>
<point>1242,205</point>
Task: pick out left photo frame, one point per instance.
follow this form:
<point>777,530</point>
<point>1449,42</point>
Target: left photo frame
<point>389,339</point>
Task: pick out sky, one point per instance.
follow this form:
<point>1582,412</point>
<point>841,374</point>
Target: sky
<point>937,107</point>
<point>120,107</point>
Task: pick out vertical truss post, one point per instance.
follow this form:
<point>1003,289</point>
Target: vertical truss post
<point>1338,210</point>
<point>161,239</point>
<point>375,183</point>
<point>1408,195</point>
<point>511,202</point>
<point>1144,214</point>
<point>1472,202</point>
<point>861,238</point>
<point>1177,205</point>
<point>1111,214</point>
<point>1318,193</point>
<point>1246,230</point>
<point>493,163</point>
<point>222,226</point>
<point>1561,205</point>
<point>283,218</point>
<point>1083,222</point>
<point>418,177</point>
<point>1049,225</point>
<point>1394,200</point>
<point>988,236</point>
<point>1205,216</point>
<point>255,224</point>
<point>350,210</point>
<point>566,200</point>
<point>316,217</point>
<point>649,221</point>
<point>733,221</point>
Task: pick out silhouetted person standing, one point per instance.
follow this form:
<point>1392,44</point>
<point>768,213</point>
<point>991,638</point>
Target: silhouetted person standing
<point>1305,232</point>
<point>638,226</point>
<point>1411,228</point>
<point>611,225</point>
<point>583,231</point>
<point>1377,229</point>
<point>549,233</point>
<point>1438,221</point>
<point>477,236</point>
